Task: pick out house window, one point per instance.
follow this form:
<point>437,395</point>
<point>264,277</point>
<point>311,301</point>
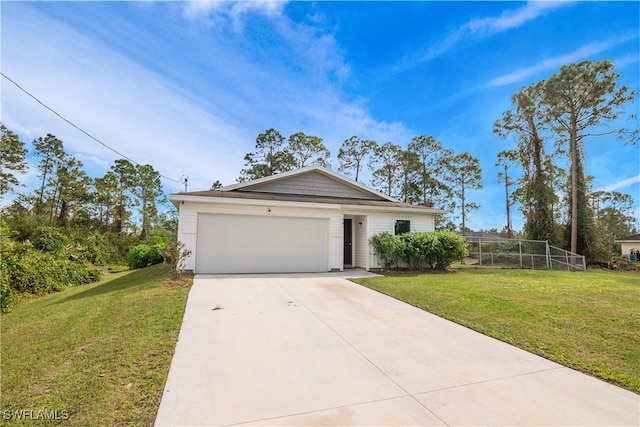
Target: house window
<point>402,226</point>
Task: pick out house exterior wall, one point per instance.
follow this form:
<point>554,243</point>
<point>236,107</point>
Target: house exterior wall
<point>187,228</point>
<point>627,246</point>
<point>373,222</point>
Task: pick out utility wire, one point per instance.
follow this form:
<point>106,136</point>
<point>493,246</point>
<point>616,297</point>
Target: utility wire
<point>79,128</point>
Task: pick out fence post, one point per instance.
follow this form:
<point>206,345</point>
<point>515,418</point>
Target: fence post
<point>548,250</point>
<point>520,250</point>
<point>480,248</point>
<point>566,257</point>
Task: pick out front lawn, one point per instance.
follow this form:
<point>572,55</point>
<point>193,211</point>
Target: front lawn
<point>95,354</point>
<point>587,321</point>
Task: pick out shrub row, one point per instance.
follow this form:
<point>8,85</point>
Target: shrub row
<point>436,250</point>
<point>24,269</point>
<point>92,246</point>
<point>37,256</point>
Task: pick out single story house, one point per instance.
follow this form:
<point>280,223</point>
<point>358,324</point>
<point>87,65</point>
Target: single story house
<point>307,220</point>
<point>630,245</point>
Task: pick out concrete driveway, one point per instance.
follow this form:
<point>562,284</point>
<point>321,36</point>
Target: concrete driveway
<point>320,350</point>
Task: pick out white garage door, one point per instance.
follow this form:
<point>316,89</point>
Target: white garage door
<point>261,244</point>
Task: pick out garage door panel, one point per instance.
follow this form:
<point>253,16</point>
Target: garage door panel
<point>259,244</point>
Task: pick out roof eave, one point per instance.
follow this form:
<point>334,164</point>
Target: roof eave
<point>179,198</point>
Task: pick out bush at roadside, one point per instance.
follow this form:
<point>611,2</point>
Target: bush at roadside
<point>25,270</point>
<point>144,255</point>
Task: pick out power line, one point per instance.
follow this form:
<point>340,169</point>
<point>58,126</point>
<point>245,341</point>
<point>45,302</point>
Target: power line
<point>79,128</point>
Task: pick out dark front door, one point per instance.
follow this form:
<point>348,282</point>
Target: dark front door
<point>348,241</point>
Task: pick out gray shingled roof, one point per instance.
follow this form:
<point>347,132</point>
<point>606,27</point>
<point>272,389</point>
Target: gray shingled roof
<point>634,238</point>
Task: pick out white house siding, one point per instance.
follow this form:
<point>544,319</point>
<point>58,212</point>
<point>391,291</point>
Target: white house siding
<point>626,247</point>
<point>361,242</point>
<point>422,223</point>
<point>335,241</point>
<point>381,222</point>
<point>187,227</point>
<point>189,218</point>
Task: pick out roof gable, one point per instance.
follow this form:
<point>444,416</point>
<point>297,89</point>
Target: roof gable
<point>312,185</point>
<point>310,181</point>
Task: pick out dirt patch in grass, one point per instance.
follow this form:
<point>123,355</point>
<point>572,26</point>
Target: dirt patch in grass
<point>185,280</point>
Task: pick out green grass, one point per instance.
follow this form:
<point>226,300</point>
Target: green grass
<point>98,353</point>
<point>590,322</point>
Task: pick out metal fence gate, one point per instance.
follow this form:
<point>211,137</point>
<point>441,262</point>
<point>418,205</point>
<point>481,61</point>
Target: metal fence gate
<point>534,254</point>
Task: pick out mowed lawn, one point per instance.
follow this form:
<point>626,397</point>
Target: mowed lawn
<point>96,354</point>
<point>590,322</point>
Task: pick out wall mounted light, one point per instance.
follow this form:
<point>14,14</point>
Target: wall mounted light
<point>360,224</point>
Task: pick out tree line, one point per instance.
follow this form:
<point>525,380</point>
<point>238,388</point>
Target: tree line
<point>71,226</point>
<point>125,199</point>
<point>425,173</point>
<point>550,121</point>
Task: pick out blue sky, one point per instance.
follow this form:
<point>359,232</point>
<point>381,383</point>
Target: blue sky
<point>187,86</point>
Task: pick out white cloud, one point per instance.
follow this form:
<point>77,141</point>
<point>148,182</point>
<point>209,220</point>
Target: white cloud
<point>622,184</point>
<point>200,123</point>
<point>625,60</point>
<point>581,53</point>
<point>511,19</point>
<point>119,102</point>
<point>194,8</point>
<point>215,11</point>
<point>479,28</point>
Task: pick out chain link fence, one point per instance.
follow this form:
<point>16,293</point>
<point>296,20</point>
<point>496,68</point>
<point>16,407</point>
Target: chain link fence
<point>516,253</point>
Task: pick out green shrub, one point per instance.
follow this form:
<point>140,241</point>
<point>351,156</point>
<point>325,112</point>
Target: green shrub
<point>7,295</point>
<point>121,245</point>
<point>144,255</point>
<point>159,236</point>
<point>388,248</point>
<point>438,249</point>
<point>49,239</point>
<point>451,247</point>
<point>30,271</point>
<point>176,255</point>
<point>418,247</point>
<point>95,247</point>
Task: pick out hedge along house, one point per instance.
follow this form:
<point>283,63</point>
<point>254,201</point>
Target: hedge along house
<point>307,220</point>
